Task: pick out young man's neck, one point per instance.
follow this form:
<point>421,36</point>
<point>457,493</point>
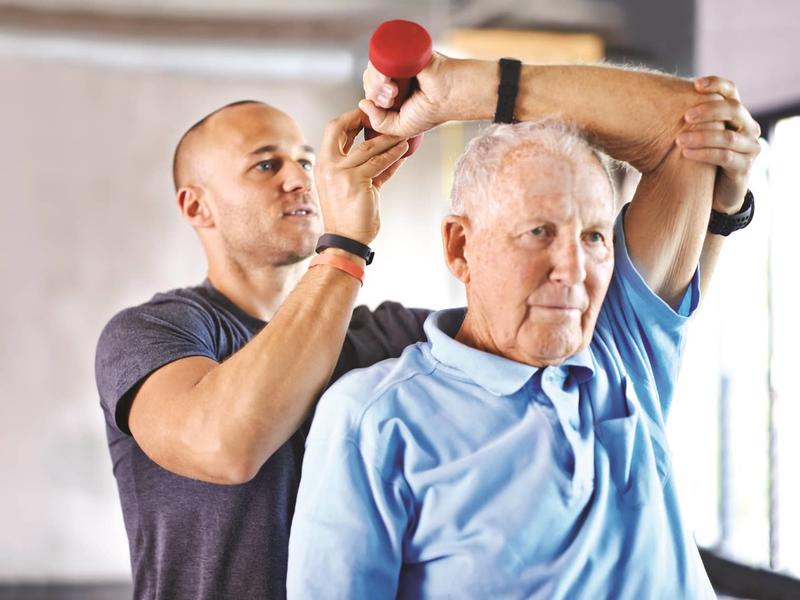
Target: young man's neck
<point>258,292</point>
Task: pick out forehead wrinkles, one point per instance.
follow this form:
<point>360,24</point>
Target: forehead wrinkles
<point>537,177</point>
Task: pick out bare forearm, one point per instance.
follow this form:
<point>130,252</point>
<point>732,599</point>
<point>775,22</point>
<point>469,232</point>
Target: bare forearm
<point>666,222</point>
<point>257,399</point>
<point>712,248</point>
<point>221,422</point>
<point>633,115</point>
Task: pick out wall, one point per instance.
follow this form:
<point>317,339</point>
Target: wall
<point>88,226</point>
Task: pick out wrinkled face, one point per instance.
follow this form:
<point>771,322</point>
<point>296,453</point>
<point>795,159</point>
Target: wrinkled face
<point>541,259</point>
<point>257,170</point>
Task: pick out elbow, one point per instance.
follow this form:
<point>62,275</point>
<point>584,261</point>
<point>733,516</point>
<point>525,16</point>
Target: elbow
<point>227,466</point>
<point>238,471</point>
<point>675,98</point>
<point>215,461</point>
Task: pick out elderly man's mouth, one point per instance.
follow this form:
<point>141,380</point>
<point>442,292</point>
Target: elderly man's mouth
<point>560,308</point>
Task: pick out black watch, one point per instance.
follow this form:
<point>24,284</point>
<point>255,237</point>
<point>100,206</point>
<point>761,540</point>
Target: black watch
<point>722,224</point>
<point>331,240</point>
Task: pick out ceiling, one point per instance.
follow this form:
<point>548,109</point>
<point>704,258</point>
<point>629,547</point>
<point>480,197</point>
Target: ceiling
<point>678,36</point>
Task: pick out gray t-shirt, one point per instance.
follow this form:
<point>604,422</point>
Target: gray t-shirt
<point>195,540</point>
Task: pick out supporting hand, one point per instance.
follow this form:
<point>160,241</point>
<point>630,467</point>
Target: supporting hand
<point>725,135</point>
<point>349,179</point>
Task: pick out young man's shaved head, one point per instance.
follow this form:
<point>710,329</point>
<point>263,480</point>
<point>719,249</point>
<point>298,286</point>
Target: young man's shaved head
<point>182,158</point>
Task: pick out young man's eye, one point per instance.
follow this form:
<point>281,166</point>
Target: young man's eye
<point>268,165</point>
<point>306,164</point>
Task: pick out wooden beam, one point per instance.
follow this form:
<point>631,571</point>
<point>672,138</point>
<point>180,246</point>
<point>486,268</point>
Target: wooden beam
<point>529,46</point>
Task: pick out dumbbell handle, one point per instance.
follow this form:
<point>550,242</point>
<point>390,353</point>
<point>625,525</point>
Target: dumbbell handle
<point>400,49</point>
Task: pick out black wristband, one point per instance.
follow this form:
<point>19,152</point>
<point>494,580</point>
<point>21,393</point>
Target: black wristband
<point>510,69</point>
<point>331,240</point>
<point>722,224</point>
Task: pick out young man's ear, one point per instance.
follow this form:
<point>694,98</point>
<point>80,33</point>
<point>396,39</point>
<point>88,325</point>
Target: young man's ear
<point>194,206</point>
<point>454,240</point>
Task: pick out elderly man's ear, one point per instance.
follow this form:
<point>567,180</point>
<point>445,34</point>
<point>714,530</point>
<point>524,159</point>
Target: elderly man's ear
<point>194,206</point>
<point>455,229</point>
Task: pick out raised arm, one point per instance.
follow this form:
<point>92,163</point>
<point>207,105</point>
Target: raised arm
<point>633,115</point>
<point>221,422</point>
<point>725,136</point>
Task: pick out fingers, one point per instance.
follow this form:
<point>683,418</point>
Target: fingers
<point>728,160</point>
<point>388,173</point>
<point>719,138</point>
<point>380,154</point>
<point>716,85</point>
<point>340,134</point>
<point>378,87</point>
<point>380,119</point>
<point>730,111</point>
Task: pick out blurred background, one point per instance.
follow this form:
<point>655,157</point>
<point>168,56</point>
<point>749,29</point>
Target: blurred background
<point>94,94</point>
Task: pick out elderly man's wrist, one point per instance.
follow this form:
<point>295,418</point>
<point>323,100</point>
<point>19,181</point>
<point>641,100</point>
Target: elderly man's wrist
<point>473,90</point>
<point>728,209</point>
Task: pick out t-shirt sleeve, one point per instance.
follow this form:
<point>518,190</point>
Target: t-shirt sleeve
<point>648,333</point>
<point>138,341</point>
<point>376,335</point>
<point>350,518</point>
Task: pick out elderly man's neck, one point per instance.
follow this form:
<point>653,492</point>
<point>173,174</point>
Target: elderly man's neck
<point>257,291</point>
<point>476,332</point>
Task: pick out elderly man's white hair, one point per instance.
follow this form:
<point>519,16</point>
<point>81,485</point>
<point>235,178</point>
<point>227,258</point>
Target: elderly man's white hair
<point>481,161</point>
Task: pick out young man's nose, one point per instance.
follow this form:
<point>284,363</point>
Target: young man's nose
<point>296,178</point>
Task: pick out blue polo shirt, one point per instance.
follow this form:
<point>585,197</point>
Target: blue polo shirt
<point>454,473</point>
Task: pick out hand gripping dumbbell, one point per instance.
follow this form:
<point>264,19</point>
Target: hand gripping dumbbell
<point>400,49</point>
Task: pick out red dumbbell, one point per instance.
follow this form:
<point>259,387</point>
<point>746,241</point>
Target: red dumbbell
<point>400,49</point>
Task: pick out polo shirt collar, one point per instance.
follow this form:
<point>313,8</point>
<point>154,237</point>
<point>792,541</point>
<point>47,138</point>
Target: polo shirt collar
<point>498,375</point>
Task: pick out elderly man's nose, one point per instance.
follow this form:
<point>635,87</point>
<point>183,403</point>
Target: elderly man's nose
<point>569,264</point>
<point>296,178</point>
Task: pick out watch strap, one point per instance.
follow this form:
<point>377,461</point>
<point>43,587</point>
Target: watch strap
<point>508,89</point>
<point>723,224</point>
<point>331,240</point>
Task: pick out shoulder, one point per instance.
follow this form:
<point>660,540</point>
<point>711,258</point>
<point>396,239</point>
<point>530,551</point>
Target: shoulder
<point>390,317</point>
<point>140,339</point>
<point>363,398</point>
<point>174,310</point>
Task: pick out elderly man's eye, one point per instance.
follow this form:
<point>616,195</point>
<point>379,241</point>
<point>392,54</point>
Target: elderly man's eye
<point>538,231</point>
<point>595,237</point>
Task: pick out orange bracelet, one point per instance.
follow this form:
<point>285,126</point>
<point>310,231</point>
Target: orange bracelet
<point>339,262</point>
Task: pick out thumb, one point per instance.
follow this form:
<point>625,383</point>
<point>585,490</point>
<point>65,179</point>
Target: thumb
<point>380,119</point>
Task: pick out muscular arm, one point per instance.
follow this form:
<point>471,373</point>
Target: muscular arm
<point>221,422</point>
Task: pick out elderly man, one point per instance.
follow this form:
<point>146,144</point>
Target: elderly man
<point>520,452</point>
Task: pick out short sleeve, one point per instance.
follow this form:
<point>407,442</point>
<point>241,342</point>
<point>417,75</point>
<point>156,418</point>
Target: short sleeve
<point>375,335</point>
<point>648,333</point>
<point>349,522</point>
<point>139,340</point>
